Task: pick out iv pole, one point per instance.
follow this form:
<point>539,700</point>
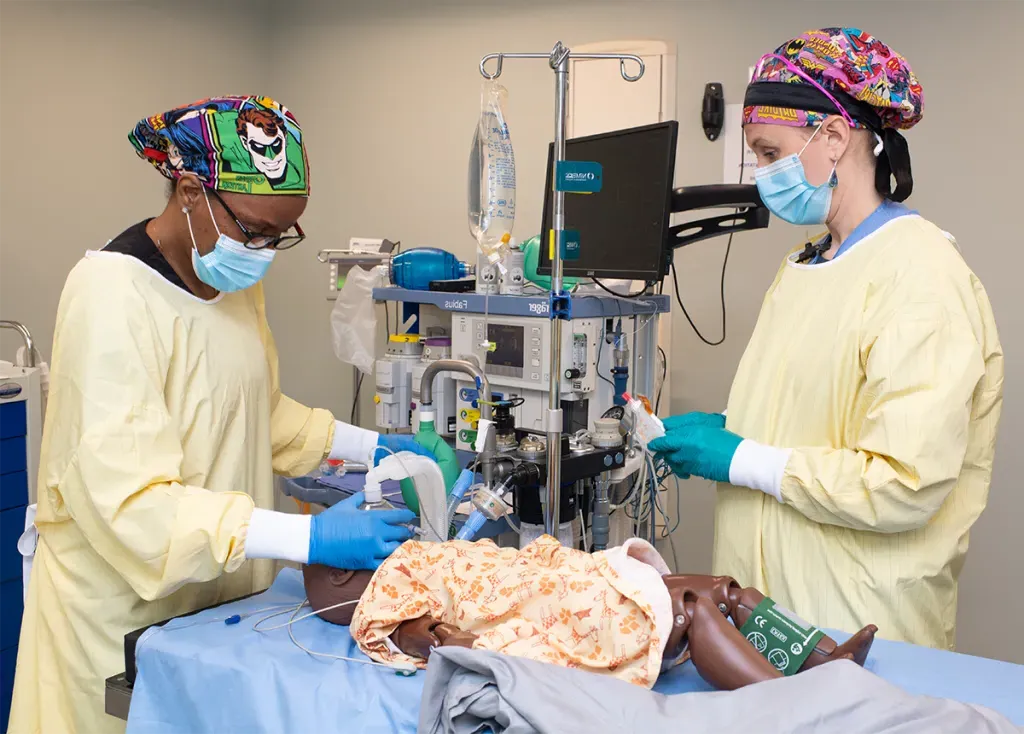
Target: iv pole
<point>558,58</point>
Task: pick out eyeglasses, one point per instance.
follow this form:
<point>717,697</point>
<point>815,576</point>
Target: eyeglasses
<point>258,241</point>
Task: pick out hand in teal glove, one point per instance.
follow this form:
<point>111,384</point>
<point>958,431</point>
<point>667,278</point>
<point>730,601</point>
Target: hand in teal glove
<point>343,536</point>
<point>700,447</point>
<point>396,442</point>
<point>694,419</point>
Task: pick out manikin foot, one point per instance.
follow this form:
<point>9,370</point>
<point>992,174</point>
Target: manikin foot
<point>856,648</point>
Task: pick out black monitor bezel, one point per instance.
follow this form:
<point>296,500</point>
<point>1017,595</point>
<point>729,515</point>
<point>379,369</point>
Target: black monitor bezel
<point>569,267</point>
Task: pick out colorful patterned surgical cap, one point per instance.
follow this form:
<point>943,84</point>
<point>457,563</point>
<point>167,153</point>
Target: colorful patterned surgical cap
<point>874,86</point>
<point>245,145</point>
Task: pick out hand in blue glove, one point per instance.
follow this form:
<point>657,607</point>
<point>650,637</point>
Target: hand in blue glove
<point>396,442</point>
<point>700,448</point>
<point>343,536</point>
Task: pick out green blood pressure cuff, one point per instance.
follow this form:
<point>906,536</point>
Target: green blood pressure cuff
<point>780,636</point>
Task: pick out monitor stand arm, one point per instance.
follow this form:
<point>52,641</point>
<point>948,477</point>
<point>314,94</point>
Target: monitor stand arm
<point>750,213</point>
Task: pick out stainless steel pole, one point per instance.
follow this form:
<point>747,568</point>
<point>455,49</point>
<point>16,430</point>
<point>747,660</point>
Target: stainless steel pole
<point>560,64</point>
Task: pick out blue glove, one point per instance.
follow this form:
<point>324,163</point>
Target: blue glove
<point>694,419</point>
<point>703,449</point>
<point>343,536</point>
<point>399,442</point>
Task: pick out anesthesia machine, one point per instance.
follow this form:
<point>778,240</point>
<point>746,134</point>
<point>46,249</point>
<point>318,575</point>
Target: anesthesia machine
<point>536,363</point>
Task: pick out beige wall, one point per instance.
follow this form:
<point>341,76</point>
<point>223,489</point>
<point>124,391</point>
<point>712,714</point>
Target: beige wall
<point>387,95</point>
<point>74,79</point>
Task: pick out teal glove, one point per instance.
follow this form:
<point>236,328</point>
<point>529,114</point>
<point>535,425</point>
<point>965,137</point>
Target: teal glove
<point>396,442</point>
<point>343,536</point>
<point>694,419</point>
<point>700,448</point>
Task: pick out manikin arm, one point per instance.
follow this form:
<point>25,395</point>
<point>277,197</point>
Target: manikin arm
<point>417,637</point>
<point>730,599</point>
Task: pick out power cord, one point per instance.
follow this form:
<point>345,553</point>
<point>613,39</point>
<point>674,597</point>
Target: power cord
<point>355,398</point>
<point>600,348</point>
<point>725,262</point>
<point>606,289</point>
<point>664,376</point>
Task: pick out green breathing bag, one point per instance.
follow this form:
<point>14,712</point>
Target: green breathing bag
<point>428,438</point>
<point>531,260</point>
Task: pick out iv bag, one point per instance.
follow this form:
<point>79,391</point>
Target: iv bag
<point>354,321</point>
<point>492,175</point>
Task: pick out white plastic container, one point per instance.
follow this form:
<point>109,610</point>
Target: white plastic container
<point>513,271</point>
<point>646,425</point>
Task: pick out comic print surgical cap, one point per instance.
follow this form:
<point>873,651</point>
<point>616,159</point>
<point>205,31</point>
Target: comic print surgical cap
<point>245,145</point>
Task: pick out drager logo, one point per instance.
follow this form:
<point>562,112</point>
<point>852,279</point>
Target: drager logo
<point>456,305</point>
<point>539,308</point>
<point>579,176</point>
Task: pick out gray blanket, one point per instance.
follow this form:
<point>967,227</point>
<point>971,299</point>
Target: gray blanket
<point>469,691</point>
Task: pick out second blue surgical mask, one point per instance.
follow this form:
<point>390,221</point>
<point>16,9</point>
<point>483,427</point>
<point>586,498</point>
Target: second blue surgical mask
<point>788,195</point>
<point>230,266</point>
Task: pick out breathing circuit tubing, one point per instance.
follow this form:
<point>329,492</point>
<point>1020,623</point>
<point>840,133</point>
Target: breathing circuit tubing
<point>405,669</point>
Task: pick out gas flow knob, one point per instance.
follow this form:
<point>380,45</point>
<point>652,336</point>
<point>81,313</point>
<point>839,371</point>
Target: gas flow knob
<point>572,373</point>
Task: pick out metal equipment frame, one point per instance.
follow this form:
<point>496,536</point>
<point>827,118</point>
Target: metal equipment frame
<point>31,353</point>
<point>558,59</point>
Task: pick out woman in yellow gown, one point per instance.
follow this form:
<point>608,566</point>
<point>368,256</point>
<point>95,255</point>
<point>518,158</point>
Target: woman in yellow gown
<point>165,421</point>
<point>858,444</point>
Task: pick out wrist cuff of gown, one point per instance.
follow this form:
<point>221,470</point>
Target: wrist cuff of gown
<point>760,467</point>
<point>352,443</point>
<point>278,535</point>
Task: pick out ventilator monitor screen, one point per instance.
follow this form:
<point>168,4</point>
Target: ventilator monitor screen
<point>622,228</point>
<point>509,348</point>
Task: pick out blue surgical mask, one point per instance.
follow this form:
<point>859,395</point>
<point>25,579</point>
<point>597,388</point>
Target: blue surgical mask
<point>230,266</point>
<point>786,192</point>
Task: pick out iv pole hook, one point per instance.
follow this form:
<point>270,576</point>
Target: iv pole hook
<point>558,54</point>
<point>497,67</point>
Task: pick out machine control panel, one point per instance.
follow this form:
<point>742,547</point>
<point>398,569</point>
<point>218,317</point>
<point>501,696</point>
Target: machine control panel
<point>515,354</point>
<point>515,350</point>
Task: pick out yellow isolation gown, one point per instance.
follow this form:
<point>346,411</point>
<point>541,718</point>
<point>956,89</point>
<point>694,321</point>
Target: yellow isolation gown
<point>882,371</point>
<point>164,427</point>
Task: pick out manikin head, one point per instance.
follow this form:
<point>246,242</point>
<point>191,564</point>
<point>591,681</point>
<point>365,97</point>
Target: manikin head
<point>326,587</point>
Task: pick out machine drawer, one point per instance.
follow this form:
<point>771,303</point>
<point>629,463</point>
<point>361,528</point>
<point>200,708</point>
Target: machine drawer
<point>12,525</point>
<point>13,490</point>
<point>12,455</point>
<point>11,608</point>
<point>8,658</point>
<point>13,422</point>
